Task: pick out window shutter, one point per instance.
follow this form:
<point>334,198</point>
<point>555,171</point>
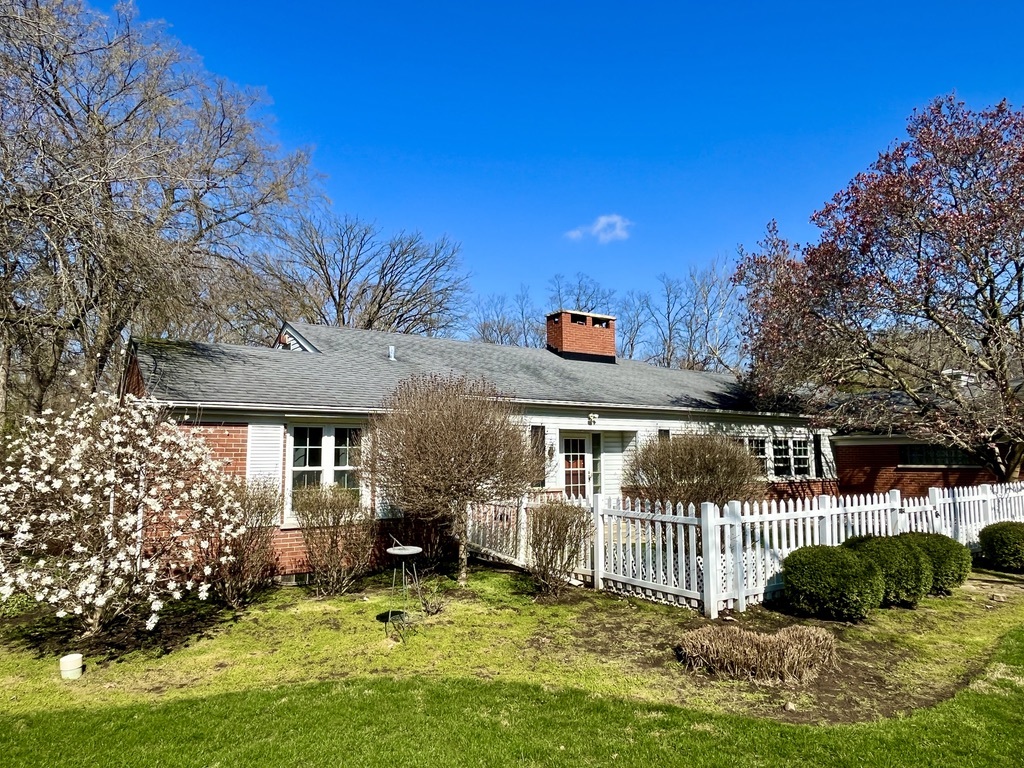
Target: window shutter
<point>265,452</point>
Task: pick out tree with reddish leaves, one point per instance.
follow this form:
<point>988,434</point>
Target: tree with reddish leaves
<point>907,316</point>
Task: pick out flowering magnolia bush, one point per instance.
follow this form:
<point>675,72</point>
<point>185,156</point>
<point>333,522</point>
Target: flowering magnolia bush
<point>111,509</point>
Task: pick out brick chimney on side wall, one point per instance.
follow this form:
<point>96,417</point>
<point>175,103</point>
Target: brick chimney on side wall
<point>582,336</point>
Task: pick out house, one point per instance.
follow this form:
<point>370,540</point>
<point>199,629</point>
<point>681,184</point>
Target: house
<point>295,412</point>
<point>868,463</point>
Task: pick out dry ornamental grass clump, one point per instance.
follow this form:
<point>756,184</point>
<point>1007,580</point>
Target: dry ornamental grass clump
<point>791,654</point>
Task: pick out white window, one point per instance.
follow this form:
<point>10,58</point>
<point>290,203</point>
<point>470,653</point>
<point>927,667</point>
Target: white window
<point>758,448</point>
<point>791,457</point>
<point>321,455</point>
<point>346,456</point>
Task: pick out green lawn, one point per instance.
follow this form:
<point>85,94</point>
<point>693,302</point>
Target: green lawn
<point>499,679</point>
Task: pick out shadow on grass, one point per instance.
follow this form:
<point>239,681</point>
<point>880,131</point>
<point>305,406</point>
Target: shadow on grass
<point>180,622</point>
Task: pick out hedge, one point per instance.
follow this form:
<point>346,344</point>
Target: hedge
<point>1002,545</point>
<point>951,560</point>
<point>906,570</point>
<point>832,582</point>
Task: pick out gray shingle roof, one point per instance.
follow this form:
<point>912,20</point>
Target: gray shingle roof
<point>351,372</point>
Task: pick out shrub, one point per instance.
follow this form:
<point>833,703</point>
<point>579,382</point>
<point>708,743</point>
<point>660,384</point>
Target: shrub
<point>906,570</point>
<point>433,593</point>
<point>832,582</point>
<point>951,560</point>
<point>338,533</point>
<point>558,530</point>
<point>694,468</point>
<point>1002,545</point>
<point>108,511</point>
<point>793,653</point>
<point>247,564</point>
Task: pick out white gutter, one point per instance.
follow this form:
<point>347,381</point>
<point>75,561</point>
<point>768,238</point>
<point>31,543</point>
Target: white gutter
<point>279,407</point>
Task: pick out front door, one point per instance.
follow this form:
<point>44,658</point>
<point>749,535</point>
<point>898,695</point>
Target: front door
<point>576,462</point>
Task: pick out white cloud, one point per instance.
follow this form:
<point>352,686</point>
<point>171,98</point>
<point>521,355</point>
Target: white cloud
<point>605,228</point>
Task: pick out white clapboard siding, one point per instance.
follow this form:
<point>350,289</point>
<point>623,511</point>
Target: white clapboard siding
<point>611,463</point>
<point>265,453</point>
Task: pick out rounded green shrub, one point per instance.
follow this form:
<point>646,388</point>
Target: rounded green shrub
<point>1002,545</point>
<point>951,560</point>
<point>906,570</point>
<point>832,582</point>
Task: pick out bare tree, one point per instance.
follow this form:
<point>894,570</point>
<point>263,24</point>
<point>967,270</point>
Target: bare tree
<point>516,322</point>
<point>713,325</point>
<point>695,323</point>
<point>341,272</point>
<point>667,311</point>
<point>584,293</point>
<point>238,304</point>
<point>631,324</point>
<point>694,468</point>
<point>126,171</point>
<point>444,443</point>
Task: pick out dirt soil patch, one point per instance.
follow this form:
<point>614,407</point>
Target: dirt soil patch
<point>886,666</point>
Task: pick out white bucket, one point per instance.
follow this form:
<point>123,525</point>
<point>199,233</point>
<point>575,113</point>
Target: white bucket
<point>71,666</point>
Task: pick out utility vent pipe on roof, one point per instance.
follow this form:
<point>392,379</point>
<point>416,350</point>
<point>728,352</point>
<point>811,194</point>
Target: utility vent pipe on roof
<point>391,352</point>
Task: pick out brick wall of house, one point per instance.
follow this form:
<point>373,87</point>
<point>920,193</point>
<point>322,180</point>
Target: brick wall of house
<point>432,538</point>
<point>875,469</point>
<point>563,335</point>
<point>228,442</point>
<point>801,489</point>
<point>291,552</point>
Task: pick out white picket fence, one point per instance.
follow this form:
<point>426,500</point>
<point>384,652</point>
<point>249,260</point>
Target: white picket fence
<point>657,551</point>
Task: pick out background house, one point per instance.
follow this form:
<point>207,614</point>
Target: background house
<point>879,463</point>
<point>295,412</point>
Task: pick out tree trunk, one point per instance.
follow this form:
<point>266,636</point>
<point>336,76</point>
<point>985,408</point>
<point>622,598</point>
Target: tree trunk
<point>5,376</point>
<point>1013,460</point>
<point>461,530</point>
<point>463,561</point>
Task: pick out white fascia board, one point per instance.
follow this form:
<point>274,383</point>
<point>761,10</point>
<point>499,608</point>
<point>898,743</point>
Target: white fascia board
<point>234,409</point>
<point>660,409</point>
<point>289,409</point>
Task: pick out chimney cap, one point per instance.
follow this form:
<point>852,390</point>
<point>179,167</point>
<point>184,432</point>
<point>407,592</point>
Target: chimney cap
<point>597,315</point>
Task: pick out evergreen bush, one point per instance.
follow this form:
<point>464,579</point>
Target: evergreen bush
<point>1002,545</point>
<point>832,582</point>
<point>951,560</point>
<point>906,570</point>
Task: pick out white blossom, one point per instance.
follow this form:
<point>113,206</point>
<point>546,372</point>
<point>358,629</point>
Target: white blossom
<point>98,487</point>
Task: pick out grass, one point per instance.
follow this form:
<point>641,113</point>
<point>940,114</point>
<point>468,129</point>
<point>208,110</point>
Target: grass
<point>500,679</point>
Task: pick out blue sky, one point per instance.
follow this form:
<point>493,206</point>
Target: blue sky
<point>512,127</point>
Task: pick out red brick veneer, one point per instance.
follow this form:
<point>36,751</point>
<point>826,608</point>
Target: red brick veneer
<point>875,469</point>
<point>228,442</point>
<point>566,336</point>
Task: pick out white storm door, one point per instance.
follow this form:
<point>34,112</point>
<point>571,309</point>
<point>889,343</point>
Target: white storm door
<point>576,466</point>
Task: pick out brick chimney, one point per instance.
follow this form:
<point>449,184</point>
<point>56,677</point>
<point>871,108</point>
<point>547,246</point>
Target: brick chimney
<point>582,336</point>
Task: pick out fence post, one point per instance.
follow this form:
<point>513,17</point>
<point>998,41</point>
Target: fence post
<point>710,551</point>
<point>825,521</point>
<point>895,508</point>
<point>739,569</point>
<point>521,532</point>
<point>985,489</point>
<point>598,543</point>
<point>935,502</point>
